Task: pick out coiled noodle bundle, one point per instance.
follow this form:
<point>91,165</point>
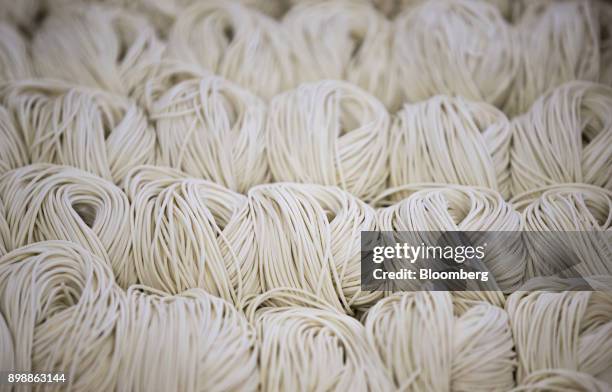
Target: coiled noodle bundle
<point>329,133</point>
<point>347,40</point>
<point>455,47</point>
<point>95,46</point>
<point>92,130</point>
<point>585,211</point>
<point>431,207</point>
<point>240,44</point>
<point>427,346</point>
<point>313,348</point>
<point>61,306</point>
<point>573,334</point>
<point>210,128</point>
<point>192,341</point>
<point>48,202</point>
<point>308,237</point>
<point>187,233</point>
<point>566,137</point>
<point>558,43</point>
<point>451,140</point>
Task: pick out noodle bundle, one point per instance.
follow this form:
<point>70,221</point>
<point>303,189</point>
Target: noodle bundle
<point>573,335</point>
<point>440,208</point>
<point>273,8</point>
<point>92,130</point>
<point>187,233</point>
<point>60,305</point>
<point>241,44</point>
<point>347,40</point>
<point>96,46</point>
<point>558,42</point>
<point>585,211</point>
<point>392,7</point>
<point>566,137</point>
<point>427,345</point>
<point>212,129</point>
<point>313,348</point>
<point>455,47</point>
<point>66,314</point>
<point>451,140</point>
<point>49,202</point>
<point>329,133</point>
<point>192,341</point>
<point>307,237</point>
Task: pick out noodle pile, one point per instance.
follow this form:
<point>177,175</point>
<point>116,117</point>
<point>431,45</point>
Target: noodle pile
<point>65,312</point>
<point>429,346</point>
<point>307,237</point>
<point>573,333</point>
<point>49,202</point>
<point>101,133</point>
<point>558,42</point>
<point>312,347</point>
<point>212,129</point>
<point>186,233</point>
<point>460,208</point>
<point>329,133</point>
<point>343,40</point>
<point>453,141</point>
<point>188,190</point>
<point>96,46</point>
<point>570,208</point>
<point>565,137</point>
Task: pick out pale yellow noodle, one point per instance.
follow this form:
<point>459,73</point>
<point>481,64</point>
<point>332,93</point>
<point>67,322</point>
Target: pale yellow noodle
<point>308,237</point>
<point>90,129</point>
<point>347,40</point>
<point>428,347</point>
<point>306,348</point>
<point>563,339</point>
<point>241,44</point>
<point>451,140</point>
<point>190,233</point>
<point>97,46</point>
<point>49,202</point>
<point>565,137</point>
<point>329,133</point>
<point>210,128</point>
